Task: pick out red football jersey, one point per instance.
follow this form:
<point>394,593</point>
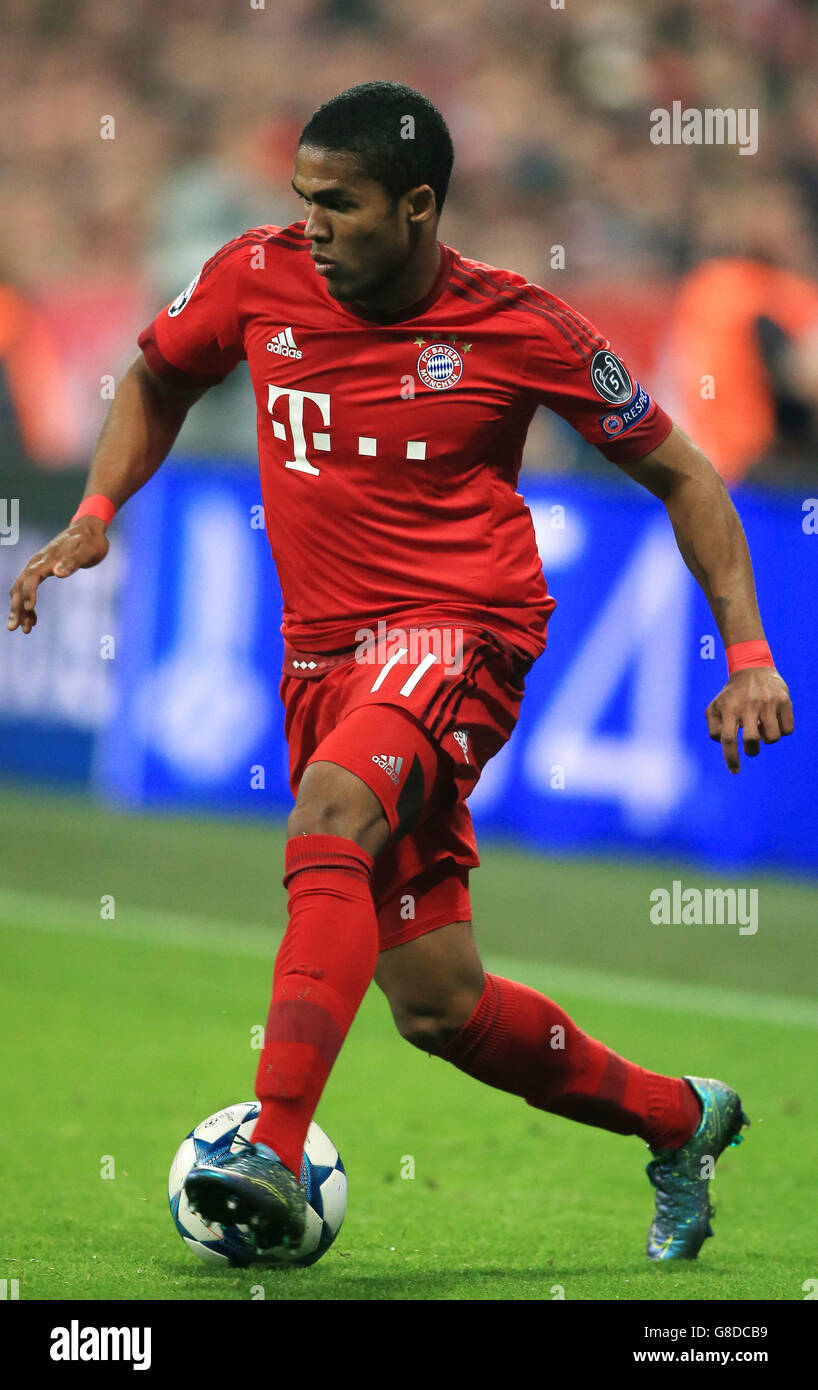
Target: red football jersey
<point>389,451</point>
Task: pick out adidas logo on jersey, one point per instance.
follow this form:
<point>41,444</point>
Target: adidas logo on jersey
<point>391,765</point>
<point>284,344</point>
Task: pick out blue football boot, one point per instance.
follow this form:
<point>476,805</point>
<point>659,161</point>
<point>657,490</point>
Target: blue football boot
<point>251,1188</point>
<point>681,1176</point>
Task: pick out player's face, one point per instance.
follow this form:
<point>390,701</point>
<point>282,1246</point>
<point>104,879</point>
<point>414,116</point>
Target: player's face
<point>352,223</point>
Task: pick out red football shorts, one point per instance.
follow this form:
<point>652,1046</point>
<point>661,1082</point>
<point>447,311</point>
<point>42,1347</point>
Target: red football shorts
<point>416,717</point>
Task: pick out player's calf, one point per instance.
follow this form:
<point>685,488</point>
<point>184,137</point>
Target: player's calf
<point>430,1030</point>
<point>433,984</point>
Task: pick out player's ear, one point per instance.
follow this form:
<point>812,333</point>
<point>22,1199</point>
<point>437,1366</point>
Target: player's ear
<point>422,203</point>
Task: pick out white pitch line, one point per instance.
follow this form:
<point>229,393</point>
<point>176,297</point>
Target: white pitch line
<point>46,913</point>
<point>34,911</point>
<point>709,1000</point>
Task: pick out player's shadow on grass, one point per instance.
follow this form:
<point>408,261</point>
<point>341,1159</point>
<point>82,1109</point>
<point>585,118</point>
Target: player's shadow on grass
<point>546,1285</point>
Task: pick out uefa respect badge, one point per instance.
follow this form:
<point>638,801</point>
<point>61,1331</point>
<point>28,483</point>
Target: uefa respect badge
<point>440,366</point>
<point>618,422</point>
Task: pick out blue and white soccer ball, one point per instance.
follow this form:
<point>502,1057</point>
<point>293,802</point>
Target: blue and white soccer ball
<point>322,1175</point>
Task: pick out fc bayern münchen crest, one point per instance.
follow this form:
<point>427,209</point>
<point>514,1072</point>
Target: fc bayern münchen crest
<point>440,366</point>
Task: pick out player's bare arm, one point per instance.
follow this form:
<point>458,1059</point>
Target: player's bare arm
<point>713,545</point>
<point>145,417</point>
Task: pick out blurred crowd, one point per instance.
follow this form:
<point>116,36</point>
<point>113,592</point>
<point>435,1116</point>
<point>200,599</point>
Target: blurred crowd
<point>698,262</point>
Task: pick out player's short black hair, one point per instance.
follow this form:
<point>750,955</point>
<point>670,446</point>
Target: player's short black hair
<point>369,122</point>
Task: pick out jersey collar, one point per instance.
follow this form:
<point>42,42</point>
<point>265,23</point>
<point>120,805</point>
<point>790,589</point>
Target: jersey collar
<point>409,311</point>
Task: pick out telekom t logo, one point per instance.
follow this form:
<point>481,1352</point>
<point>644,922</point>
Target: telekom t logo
<point>320,439</point>
<point>367,445</point>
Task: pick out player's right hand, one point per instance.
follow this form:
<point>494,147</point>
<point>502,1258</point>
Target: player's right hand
<point>80,546</point>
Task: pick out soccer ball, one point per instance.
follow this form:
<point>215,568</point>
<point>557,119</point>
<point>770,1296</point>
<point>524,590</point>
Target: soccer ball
<point>322,1175</point>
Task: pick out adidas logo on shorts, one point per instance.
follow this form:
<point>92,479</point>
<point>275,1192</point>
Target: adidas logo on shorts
<point>462,737</point>
<point>284,344</point>
<point>391,765</point>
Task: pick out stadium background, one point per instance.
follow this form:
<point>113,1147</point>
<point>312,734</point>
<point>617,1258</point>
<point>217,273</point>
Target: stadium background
<point>135,720</point>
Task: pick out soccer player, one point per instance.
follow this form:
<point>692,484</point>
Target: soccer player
<point>395,380</point>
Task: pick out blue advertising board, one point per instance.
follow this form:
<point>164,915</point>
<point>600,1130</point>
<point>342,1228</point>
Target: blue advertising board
<point>611,752</point>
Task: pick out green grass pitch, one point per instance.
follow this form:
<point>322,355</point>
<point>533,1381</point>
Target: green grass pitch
<point>121,1034</point>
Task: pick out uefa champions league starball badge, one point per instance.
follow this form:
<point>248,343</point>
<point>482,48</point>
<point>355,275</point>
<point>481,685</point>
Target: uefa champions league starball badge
<point>440,366</point>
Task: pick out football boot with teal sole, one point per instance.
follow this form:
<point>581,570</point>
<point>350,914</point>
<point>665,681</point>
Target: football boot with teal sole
<point>251,1188</point>
<point>682,1176</point>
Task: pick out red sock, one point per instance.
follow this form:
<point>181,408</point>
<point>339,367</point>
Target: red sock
<point>322,971</point>
<point>519,1041</point>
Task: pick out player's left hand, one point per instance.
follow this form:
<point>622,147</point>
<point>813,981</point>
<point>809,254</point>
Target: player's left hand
<point>755,700</point>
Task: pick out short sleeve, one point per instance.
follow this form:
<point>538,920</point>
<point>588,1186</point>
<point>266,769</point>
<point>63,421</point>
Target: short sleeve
<point>573,370</point>
<point>197,338</point>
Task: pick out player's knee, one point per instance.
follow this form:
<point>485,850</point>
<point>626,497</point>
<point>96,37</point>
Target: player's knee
<point>370,831</point>
<point>332,801</point>
<point>430,1030</point>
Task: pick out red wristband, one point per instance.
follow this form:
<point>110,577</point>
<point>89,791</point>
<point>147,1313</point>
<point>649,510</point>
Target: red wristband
<point>743,654</point>
<point>96,505</point>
